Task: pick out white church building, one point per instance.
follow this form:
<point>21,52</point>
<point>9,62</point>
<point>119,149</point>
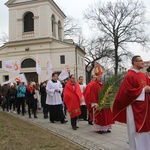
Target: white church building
<point>37,27</point>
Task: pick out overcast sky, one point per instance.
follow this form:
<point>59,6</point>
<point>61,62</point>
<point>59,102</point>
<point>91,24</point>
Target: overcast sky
<point>74,8</point>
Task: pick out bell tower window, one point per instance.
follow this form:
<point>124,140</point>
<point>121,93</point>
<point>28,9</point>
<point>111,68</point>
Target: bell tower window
<point>53,25</point>
<point>28,22</point>
<point>59,30</point>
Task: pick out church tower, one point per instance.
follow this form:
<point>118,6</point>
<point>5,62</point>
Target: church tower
<point>36,27</point>
<point>34,19</point>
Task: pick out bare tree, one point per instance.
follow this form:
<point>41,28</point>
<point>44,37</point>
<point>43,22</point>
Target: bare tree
<point>73,30</point>
<point>97,49</point>
<point>71,27</point>
<point>122,22</point>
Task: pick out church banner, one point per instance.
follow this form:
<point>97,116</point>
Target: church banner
<point>19,78</point>
<point>12,66</point>
<point>49,68</point>
<point>38,65</point>
<point>64,73</point>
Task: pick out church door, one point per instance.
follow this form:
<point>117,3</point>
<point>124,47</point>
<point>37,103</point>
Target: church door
<point>32,76</point>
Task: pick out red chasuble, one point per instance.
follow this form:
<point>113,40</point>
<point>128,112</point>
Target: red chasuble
<point>72,98</point>
<point>87,97</point>
<point>103,117</point>
<point>129,91</point>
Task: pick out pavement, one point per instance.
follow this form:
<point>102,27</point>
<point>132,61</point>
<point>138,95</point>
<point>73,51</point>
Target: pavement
<point>84,136</point>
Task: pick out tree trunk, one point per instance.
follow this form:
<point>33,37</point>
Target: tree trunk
<point>116,61</point>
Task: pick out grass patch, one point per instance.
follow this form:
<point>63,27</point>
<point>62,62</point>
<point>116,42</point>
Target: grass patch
<point>16,134</point>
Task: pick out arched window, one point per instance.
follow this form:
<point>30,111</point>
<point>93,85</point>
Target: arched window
<point>28,63</point>
<point>53,25</point>
<point>28,22</point>
<point>59,30</point>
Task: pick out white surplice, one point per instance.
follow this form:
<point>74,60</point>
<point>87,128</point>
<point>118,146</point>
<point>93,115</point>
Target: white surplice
<point>82,87</point>
<point>53,97</point>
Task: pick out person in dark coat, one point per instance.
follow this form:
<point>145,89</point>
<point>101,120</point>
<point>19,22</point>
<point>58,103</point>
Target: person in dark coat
<point>5,102</point>
<point>43,99</point>
<point>30,99</point>
<point>12,97</point>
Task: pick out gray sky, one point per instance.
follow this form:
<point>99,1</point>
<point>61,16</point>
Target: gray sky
<point>75,9</point>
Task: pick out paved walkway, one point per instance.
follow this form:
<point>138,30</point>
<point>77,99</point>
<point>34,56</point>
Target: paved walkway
<point>84,135</point>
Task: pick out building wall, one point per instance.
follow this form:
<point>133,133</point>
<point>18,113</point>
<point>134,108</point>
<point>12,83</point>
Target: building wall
<point>53,50</point>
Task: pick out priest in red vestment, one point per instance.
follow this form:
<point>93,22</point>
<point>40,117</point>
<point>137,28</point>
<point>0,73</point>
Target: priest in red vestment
<point>102,118</point>
<point>87,97</point>
<point>72,99</point>
<point>132,106</point>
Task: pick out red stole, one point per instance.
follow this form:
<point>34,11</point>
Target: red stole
<point>87,97</point>
<point>72,98</point>
<point>104,116</point>
<point>129,91</point>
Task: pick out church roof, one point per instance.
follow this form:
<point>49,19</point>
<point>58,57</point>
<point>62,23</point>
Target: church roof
<point>12,2</point>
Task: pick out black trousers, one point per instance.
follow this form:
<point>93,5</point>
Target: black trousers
<point>56,113</point>
<point>5,103</point>
<point>12,102</point>
<point>32,106</point>
<point>21,102</point>
<point>74,122</point>
<point>45,110</point>
<point>83,112</point>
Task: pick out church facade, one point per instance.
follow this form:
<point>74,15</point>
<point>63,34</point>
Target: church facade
<point>37,27</point>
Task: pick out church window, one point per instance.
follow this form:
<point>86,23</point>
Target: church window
<point>53,25</point>
<point>28,22</point>
<point>59,30</point>
<point>5,77</point>
<point>28,63</point>
<point>62,59</point>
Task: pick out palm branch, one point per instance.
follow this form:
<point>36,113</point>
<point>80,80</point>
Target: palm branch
<point>108,93</point>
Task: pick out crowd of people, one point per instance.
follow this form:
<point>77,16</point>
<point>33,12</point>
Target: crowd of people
<point>15,97</point>
<point>131,105</point>
<point>55,98</point>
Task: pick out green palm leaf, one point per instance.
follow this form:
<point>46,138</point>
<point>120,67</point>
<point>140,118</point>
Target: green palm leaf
<point>107,94</point>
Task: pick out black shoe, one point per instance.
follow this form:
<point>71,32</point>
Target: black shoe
<point>22,114</point>
<point>108,131</point>
<point>100,132</point>
<point>74,128</point>
<point>30,117</point>
<point>90,123</point>
<point>77,127</point>
<point>65,121</point>
<point>45,117</point>
<point>35,117</point>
